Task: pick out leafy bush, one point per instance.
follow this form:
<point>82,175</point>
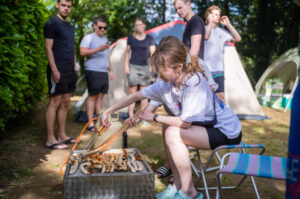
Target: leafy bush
<point>22,57</point>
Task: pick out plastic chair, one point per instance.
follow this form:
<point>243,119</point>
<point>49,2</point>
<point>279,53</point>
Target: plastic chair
<point>251,165</point>
<point>200,173</point>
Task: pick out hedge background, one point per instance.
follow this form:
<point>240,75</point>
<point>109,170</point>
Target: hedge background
<point>22,58</point>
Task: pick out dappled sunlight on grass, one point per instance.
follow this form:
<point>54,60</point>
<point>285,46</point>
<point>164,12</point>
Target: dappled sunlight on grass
<point>29,170</point>
<point>259,130</point>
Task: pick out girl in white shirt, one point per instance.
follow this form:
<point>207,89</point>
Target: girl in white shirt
<point>191,107</point>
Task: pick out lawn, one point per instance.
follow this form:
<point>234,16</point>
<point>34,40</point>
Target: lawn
<point>29,170</point>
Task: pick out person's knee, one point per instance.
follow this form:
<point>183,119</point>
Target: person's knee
<point>55,101</point>
<point>92,98</point>
<point>65,102</point>
<point>171,135</point>
<point>100,97</point>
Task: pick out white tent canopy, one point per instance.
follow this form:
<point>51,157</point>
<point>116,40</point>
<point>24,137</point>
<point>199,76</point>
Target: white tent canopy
<point>118,88</point>
<point>285,68</point>
<point>239,94</point>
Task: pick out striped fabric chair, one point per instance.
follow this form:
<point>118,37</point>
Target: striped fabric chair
<point>200,173</point>
<point>252,165</point>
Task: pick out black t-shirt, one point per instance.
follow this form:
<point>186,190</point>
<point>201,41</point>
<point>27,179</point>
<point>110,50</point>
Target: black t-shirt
<point>140,49</point>
<point>62,34</point>
<point>194,26</point>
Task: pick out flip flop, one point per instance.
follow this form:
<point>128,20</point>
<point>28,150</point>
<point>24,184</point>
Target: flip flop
<point>163,171</point>
<point>54,146</point>
<point>69,141</point>
<point>91,128</point>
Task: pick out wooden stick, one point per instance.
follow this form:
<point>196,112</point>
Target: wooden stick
<point>102,128</point>
<point>112,138</point>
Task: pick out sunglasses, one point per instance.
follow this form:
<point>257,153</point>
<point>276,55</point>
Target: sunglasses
<point>101,27</point>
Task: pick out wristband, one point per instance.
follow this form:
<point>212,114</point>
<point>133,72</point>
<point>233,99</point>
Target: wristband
<point>155,117</point>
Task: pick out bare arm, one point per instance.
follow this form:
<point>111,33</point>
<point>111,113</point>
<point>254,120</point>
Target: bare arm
<point>111,73</point>
<point>127,52</point>
<point>208,31</point>
<point>152,50</point>
<point>235,35</point>
<point>195,45</point>
<point>75,64</point>
<point>208,27</point>
<point>88,52</point>
<point>51,61</point>
<point>165,119</point>
<point>124,102</point>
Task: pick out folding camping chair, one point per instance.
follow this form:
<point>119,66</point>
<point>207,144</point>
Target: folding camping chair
<point>252,165</point>
<point>200,173</point>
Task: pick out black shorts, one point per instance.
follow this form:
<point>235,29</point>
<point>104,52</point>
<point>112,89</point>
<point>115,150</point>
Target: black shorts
<point>217,138</point>
<point>66,84</point>
<point>97,82</point>
<point>219,79</point>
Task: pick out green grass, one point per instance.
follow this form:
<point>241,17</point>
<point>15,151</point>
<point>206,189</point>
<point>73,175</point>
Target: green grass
<point>272,133</point>
<point>23,172</point>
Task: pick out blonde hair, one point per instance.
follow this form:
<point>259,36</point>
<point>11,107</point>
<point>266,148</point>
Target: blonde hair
<point>209,11</point>
<point>184,1</point>
<point>172,52</point>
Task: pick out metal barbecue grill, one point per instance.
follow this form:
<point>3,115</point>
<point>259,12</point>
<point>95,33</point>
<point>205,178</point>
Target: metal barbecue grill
<point>127,185</point>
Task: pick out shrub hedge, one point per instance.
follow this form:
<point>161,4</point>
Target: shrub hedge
<point>22,57</point>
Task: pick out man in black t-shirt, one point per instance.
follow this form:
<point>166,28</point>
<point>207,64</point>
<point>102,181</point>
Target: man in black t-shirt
<point>61,73</point>
<point>194,33</point>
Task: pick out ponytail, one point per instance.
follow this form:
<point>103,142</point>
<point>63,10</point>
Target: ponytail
<point>193,67</point>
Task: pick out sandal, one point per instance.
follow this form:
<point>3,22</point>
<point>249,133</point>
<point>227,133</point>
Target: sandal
<point>163,171</point>
<point>57,146</point>
<point>91,128</point>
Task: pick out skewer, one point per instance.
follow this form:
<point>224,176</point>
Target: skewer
<point>112,138</point>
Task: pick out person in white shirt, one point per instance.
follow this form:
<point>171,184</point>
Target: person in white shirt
<point>184,91</point>
<point>215,38</point>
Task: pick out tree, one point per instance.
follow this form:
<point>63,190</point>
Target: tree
<point>268,28</point>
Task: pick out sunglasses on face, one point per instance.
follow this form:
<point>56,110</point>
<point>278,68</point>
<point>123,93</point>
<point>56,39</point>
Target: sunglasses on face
<point>102,27</point>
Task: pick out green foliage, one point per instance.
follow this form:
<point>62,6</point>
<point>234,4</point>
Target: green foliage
<point>268,28</point>
<point>120,15</point>
<point>22,59</point>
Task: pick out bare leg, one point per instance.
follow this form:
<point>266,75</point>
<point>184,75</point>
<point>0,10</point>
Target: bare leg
<point>132,89</point>
<point>99,102</point>
<point>90,108</point>
<point>167,164</point>
<point>54,103</point>
<point>177,140</point>
<point>221,96</point>
<point>62,117</point>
